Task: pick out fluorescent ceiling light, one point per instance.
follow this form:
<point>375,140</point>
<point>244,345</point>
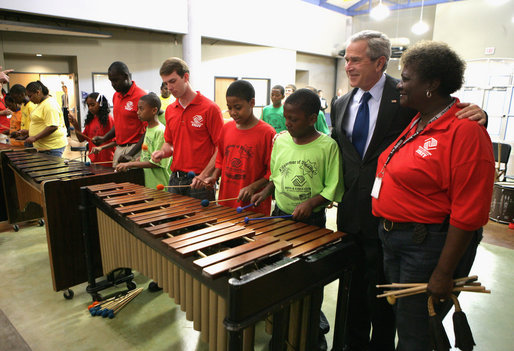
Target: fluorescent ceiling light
<point>39,55</point>
<point>12,26</point>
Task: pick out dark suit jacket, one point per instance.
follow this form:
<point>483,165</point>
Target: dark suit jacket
<point>354,212</point>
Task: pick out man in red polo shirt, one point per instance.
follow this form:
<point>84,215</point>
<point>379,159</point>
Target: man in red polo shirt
<point>193,126</point>
<point>128,129</point>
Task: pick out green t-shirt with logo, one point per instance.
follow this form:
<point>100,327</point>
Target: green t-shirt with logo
<point>301,172</point>
<point>154,138</point>
<point>274,116</point>
<point>321,123</point>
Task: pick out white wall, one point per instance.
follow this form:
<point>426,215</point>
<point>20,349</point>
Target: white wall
<point>471,26</point>
<point>287,24</point>
<point>143,52</point>
<point>235,60</point>
<point>321,70</point>
<point>169,15</point>
<point>30,63</point>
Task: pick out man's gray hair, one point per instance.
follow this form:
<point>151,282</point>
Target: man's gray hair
<point>378,44</point>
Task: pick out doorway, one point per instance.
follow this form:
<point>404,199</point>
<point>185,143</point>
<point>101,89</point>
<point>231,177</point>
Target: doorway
<point>220,90</point>
<point>54,82</point>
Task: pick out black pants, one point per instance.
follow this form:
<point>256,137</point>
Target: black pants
<point>365,311</point>
<point>196,193</point>
<point>65,113</point>
<point>318,219</point>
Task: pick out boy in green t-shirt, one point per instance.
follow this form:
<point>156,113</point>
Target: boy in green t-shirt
<point>306,170</point>
<point>274,114</point>
<point>155,173</point>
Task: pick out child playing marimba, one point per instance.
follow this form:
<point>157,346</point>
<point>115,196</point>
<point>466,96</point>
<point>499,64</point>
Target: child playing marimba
<point>244,150</point>
<point>19,94</point>
<point>98,122</point>
<point>306,170</point>
<point>155,173</point>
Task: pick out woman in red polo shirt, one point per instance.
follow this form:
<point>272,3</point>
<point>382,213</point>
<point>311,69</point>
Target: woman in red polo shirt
<point>432,190</point>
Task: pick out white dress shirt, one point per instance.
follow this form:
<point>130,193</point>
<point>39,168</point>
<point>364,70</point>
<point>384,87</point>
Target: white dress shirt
<point>373,103</point>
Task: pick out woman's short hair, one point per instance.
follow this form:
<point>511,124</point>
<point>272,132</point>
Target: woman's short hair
<point>436,60</point>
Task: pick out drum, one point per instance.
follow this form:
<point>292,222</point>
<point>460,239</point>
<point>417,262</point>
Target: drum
<point>502,205</point>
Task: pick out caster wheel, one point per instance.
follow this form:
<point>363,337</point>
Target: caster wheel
<point>153,287</point>
<point>16,227</point>
<point>68,294</point>
<point>131,285</point>
<point>41,222</point>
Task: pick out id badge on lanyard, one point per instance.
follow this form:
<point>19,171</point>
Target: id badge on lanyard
<point>375,191</point>
<point>377,185</point>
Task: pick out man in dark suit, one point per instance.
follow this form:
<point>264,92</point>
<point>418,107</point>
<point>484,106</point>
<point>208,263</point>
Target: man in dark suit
<point>367,55</point>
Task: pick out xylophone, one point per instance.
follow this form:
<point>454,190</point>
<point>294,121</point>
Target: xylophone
<point>41,186</point>
<point>225,274</point>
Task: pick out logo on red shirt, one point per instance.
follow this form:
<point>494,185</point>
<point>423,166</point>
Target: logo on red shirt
<point>197,121</point>
<point>129,106</point>
<point>429,144</point>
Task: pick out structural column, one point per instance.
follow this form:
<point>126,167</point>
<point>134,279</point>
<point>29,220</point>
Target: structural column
<point>192,43</point>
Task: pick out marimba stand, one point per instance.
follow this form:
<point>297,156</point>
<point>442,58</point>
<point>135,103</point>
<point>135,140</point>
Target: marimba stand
<point>114,278</point>
<point>38,185</point>
<point>273,285</point>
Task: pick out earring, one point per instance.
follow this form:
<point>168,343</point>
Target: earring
<point>429,94</point>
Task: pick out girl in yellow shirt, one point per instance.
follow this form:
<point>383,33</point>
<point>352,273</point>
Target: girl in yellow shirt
<point>47,131</point>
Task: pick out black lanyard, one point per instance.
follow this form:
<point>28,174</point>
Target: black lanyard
<point>404,140</point>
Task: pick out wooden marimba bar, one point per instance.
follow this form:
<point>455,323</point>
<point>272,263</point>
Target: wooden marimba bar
<point>41,186</point>
<point>225,274</point>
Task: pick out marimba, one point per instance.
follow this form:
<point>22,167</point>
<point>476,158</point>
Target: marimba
<point>3,204</point>
<point>41,186</point>
<point>225,274</point>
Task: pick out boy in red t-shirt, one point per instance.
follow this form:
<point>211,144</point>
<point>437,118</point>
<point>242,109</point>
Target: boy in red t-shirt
<point>244,151</point>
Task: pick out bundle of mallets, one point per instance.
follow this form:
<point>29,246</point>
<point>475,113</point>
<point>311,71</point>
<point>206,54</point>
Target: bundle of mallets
<point>110,307</point>
<point>408,289</point>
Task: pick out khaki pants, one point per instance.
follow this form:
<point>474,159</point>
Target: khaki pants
<point>123,150</point>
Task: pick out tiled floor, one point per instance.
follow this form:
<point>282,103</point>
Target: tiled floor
<point>153,322</point>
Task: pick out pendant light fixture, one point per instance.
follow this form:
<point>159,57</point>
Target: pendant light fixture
<point>379,12</point>
<point>420,27</point>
